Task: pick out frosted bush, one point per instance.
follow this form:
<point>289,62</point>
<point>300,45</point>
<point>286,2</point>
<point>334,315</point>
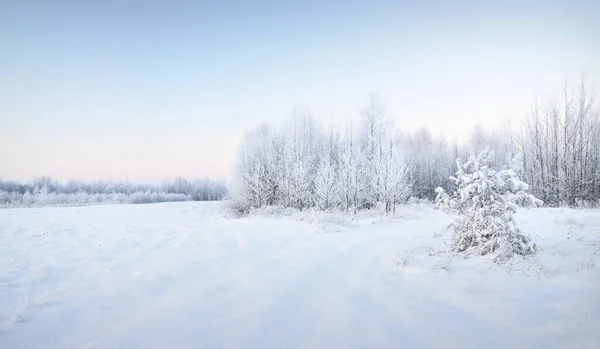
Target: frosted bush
<point>485,224</point>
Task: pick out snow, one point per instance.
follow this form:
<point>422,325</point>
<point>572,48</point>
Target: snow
<point>183,275</point>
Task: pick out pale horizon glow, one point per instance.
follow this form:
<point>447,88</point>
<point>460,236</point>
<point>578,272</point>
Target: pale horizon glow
<point>148,91</point>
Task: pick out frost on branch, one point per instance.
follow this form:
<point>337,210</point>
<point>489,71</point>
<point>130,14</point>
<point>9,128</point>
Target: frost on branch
<point>486,224</point>
<point>443,201</point>
<point>514,190</point>
<point>512,187</point>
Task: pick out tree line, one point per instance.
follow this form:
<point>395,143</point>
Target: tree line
<point>301,164</point>
<point>44,191</point>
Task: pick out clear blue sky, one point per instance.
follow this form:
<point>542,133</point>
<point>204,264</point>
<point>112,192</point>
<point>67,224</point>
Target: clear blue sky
<point>148,90</point>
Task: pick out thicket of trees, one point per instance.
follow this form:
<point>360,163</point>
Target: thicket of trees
<point>301,164</point>
<point>46,191</point>
<point>561,144</point>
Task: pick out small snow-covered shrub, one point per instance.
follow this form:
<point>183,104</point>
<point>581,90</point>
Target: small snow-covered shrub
<point>485,224</point>
<point>238,207</point>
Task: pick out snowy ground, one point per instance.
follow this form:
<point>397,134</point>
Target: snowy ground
<point>180,275</point>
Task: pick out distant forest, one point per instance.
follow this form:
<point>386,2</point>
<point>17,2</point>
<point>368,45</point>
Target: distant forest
<point>45,191</point>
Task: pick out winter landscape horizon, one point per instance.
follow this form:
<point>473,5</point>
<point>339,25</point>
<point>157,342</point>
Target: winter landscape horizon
<point>306,174</point>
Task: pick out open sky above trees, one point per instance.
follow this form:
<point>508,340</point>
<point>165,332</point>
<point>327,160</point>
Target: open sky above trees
<point>117,90</point>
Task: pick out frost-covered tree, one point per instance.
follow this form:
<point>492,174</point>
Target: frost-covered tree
<point>326,185</point>
<point>373,131</point>
<point>27,199</point>
<point>41,196</point>
<point>486,224</point>
<point>352,173</point>
<point>392,183</point>
<point>431,160</point>
<point>257,168</point>
<point>303,137</point>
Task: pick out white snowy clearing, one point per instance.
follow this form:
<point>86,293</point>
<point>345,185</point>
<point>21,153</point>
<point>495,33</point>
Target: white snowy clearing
<point>181,275</point>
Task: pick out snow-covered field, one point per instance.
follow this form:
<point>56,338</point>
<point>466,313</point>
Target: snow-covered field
<point>181,275</point>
